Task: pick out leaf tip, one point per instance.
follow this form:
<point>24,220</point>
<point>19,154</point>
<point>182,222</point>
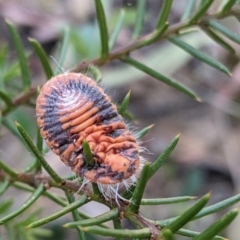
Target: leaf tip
<point>178,136</point>
<point>198,99</point>
<point>193,197</point>
<point>7,21</point>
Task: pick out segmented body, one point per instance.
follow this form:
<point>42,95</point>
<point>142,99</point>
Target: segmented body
<point>71,108</point>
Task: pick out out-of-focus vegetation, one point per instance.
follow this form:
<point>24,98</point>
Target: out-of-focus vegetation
<point>181,61</point>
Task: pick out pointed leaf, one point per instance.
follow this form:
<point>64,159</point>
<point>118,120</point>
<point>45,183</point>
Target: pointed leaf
<point>189,9</point>
<point>130,234</point>
<point>139,190</point>
<point>38,154</point>
<point>225,31</point>
<point>4,186</point>
<point>159,201</point>
<point>64,46</point>
<point>202,10</point>
<point>8,169</point>
<point>218,39</point>
<point>97,75</point>
<point>5,97</point>
<point>189,233</point>
<point>95,220</point>
<point>4,206</point>
<point>124,105</point>
<point>81,201</point>
<point>21,55</point>
<point>43,57</point>
<point>139,21</point>
<point>143,132</point>
<point>162,158</point>
<point>163,16</point>
<point>88,154</point>
<point>172,83</point>
<point>117,29</point>
<point>219,225</point>
<point>227,7</point>
<point>33,198</point>
<point>102,28</point>
<point>75,215</point>
<point>189,214</point>
<point>218,206</point>
<point>199,55</point>
<point>12,128</point>
<point>40,148</point>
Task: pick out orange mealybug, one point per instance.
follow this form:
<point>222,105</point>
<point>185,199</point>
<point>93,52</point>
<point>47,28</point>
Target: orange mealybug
<point>72,108</point>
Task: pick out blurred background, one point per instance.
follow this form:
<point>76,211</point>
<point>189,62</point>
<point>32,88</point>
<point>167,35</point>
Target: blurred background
<point>207,156</point>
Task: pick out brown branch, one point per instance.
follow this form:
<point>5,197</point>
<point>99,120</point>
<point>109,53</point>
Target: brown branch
<point>144,40</point>
<point>117,54</point>
<point>20,100</point>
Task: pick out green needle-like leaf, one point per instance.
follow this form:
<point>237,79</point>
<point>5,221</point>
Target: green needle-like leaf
<point>139,190</point>
<point>170,82</point>
<point>167,234</point>
<point>52,197</point>
<point>117,29</point>
<point>219,225</point>
<point>227,6</point>
<point>208,210</point>
<point>88,154</point>
<point>4,96</point>
<point>21,55</point>
<point>189,214</point>
<point>64,46</point>
<point>155,36</point>
<point>218,39</point>
<point>163,17</point>
<point>102,28</point>
<point>97,75</point>
<point>130,234</point>
<point>43,57</point>
<point>139,21</point>
<point>163,157</point>
<point>143,132</point>
<point>63,211</point>
<point>8,169</point>
<point>94,221</point>
<point>12,128</point>
<point>4,206</point>
<point>117,225</point>
<point>38,192</point>
<point>225,31</point>
<point>159,201</point>
<point>199,55</point>
<point>40,148</point>
<point>189,233</point>
<point>200,12</point>
<point>218,206</point>
<point>4,186</point>
<point>38,154</point>
<point>124,105</point>
<point>76,217</point>
<point>190,5</point>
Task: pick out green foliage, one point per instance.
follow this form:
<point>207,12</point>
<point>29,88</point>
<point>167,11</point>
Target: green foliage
<point>31,179</point>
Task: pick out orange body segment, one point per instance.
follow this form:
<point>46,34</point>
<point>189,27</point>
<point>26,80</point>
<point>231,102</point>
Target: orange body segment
<point>71,108</point>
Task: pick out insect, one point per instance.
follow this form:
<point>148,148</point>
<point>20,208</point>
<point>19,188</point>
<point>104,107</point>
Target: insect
<point>72,108</point>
